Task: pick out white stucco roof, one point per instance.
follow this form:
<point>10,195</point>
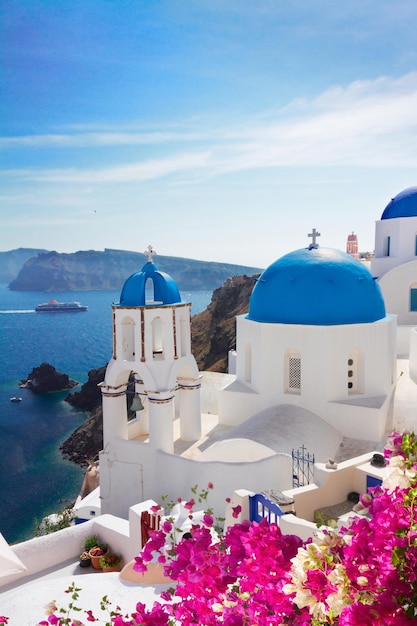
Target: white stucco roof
<point>93,584</point>
<point>278,429</point>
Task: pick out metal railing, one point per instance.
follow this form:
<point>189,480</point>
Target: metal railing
<point>261,507</point>
<point>302,467</point>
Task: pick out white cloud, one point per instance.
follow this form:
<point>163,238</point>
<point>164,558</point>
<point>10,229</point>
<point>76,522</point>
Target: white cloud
<point>141,171</point>
<point>367,124</point>
<point>96,139</point>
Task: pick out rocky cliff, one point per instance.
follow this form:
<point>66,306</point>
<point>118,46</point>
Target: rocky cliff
<point>89,397</point>
<point>86,441</point>
<point>12,261</point>
<point>214,330</point>
<point>91,269</point>
<point>213,335</point>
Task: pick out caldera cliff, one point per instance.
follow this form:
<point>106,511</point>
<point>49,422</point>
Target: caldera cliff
<point>108,269</point>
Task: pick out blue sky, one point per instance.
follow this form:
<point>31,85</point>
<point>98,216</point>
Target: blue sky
<point>216,130</point>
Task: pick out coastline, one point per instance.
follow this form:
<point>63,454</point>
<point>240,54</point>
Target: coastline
<point>36,475</point>
<point>37,479</point>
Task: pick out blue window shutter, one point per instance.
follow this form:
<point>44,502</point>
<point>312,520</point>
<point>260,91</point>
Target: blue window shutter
<point>413,299</point>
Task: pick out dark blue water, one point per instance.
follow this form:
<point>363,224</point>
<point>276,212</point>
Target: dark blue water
<point>34,478</point>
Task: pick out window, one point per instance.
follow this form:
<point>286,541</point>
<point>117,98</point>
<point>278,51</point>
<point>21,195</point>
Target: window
<point>293,372</point>
<point>415,246</point>
<point>413,297</point>
<point>353,363</point>
<point>350,374</point>
<point>388,245</point>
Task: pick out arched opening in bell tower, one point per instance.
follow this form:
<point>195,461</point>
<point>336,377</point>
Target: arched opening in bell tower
<point>183,335</point>
<point>150,291</point>
<point>157,338</point>
<point>128,339</point>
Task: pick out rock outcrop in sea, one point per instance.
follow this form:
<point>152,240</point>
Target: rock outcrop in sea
<point>89,397</point>
<point>45,379</point>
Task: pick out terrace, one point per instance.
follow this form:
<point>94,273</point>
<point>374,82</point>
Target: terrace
<point>51,561</point>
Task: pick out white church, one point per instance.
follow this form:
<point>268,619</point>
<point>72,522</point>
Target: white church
<point>326,359</point>
<point>315,366</point>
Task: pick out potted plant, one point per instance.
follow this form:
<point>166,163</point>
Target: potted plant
<point>85,559</point>
<point>111,562</point>
<point>91,541</point>
<point>96,553</point>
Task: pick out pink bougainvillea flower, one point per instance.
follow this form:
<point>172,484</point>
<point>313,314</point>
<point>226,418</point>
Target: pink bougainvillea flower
<point>364,574</point>
<point>139,565</point>
<point>167,527</point>
<point>208,520</point>
<point>90,616</point>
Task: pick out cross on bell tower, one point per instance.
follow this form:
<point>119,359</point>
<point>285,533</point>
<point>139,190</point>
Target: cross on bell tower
<point>150,253</point>
<point>314,234</point>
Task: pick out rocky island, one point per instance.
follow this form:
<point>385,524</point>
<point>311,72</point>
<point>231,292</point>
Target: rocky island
<point>12,261</point>
<point>45,379</point>
<point>91,269</point>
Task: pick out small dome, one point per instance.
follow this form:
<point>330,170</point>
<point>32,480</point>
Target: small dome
<point>403,205</point>
<point>316,286</point>
<point>165,290</point>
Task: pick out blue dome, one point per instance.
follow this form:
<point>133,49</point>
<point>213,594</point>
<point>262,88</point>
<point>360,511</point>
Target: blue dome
<point>316,286</point>
<point>165,290</point>
<point>403,205</point>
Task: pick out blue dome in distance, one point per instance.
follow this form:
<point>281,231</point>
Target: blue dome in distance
<point>165,290</point>
<point>316,286</point>
<point>403,205</point>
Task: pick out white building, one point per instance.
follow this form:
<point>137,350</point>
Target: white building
<point>395,262</point>
<point>315,363</point>
<point>317,337</point>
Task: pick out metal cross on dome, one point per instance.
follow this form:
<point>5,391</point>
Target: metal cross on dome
<point>150,252</point>
<point>314,234</point>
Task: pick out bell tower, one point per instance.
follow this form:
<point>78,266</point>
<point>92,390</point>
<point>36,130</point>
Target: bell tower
<point>352,245</point>
<point>152,347</point>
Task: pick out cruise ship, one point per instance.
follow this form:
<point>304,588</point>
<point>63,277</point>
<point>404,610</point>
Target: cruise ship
<point>60,307</point>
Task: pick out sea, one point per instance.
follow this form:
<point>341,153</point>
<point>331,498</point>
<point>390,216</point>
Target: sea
<point>35,480</point>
